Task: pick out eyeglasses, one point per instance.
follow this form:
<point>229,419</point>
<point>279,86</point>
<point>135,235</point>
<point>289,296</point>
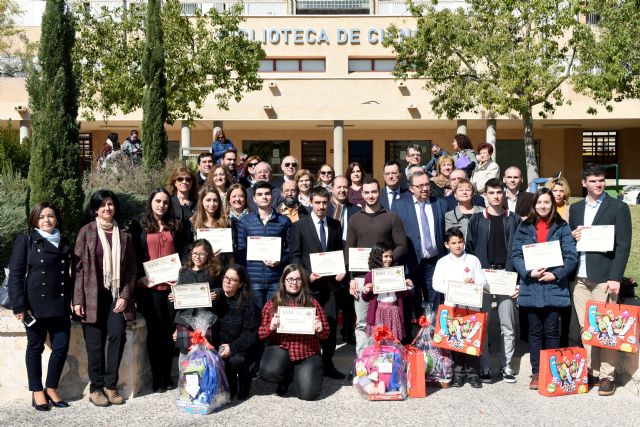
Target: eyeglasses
<point>420,186</point>
<point>230,280</point>
<point>221,136</point>
<point>291,280</point>
<point>414,155</point>
<point>252,164</point>
<point>198,254</point>
<point>326,173</point>
<point>291,165</point>
<point>183,178</point>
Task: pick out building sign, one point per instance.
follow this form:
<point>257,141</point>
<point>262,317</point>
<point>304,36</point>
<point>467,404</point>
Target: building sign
<point>312,36</point>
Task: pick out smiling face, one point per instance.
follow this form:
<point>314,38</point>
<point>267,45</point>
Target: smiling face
<point>371,194</point>
<point>229,160</point>
<point>420,187</point>
<point>183,183</point>
<point>159,205</point>
<point>463,192</point>
<point>413,157</point>
<point>205,165</point>
<point>340,189</point>
<point>199,257</point>
<point>47,220</point>
<point>293,282</point>
<point>263,173</point>
<point>219,177</point>
<point>289,166</point>
<point>304,184</point>
<point>325,175</point>
<point>544,206</point>
<point>446,167</point>
<point>210,203</point>
<point>455,245</point>
<point>107,210</point>
<point>387,258</point>
<point>595,185</point>
<point>237,200</point>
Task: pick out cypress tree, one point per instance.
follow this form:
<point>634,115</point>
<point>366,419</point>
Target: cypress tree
<point>154,103</point>
<point>54,169</point>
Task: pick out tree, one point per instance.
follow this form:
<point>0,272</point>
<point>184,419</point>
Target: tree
<point>16,51</point>
<point>54,170</point>
<point>496,57</point>
<point>154,102</point>
<point>207,55</point>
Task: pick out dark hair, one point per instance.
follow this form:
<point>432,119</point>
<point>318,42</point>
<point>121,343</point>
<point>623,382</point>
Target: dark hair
<point>375,256</point>
<point>463,141</point>
<point>230,190</point>
<point>113,137</point>
<point>245,295</point>
<point>485,146</point>
<point>200,216</point>
<point>371,181</point>
<point>34,216</point>
<point>134,131</point>
<point>415,147</point>
<point>203,155</point>
<point>493,183</point>
<point>99,197</point>
<point>212,263</point>
<point>453,232</point>
<point>230,150</point>
<point>320,192</point>
<point>592,169</point>
<point>391,163</point>
<point>177,172</point>
<point>533,216</point>
<point>170,221</point>
<point>250,159</point>
<point>282,298</point>
<point>262,184</point>
<point>349,170</point>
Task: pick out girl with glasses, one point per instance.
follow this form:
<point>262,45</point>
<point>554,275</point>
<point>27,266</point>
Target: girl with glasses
<point>325,177</point>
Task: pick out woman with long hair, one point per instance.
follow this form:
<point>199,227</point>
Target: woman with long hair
<point>325,177</point>
<point>220,178</point>
<point>441,184</point>
<point>355,174</point>
<point>463,155</point>
<point>210,214</point>
<point>305,180</point>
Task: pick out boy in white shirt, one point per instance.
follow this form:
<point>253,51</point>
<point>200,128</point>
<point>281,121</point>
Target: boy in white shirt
<point>459,266</point>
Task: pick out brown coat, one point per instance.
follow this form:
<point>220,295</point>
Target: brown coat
<point>85,290</point>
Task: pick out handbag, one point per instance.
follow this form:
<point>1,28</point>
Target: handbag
<point>4,291</point>
<point>463,161</point>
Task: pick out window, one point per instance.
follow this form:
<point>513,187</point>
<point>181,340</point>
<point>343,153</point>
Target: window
<point>397,150</point>
<point>361,152</point>
<point>314,155</point>
<point>85,151</point>
<point>600,147</point>
<point>511,153</point>
<point>271,152</point>
<point>357,65</point>
<point>292,65</point>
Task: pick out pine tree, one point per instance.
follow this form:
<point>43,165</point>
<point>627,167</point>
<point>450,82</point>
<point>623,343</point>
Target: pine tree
<point>154,103</point>
<point>54,170</point>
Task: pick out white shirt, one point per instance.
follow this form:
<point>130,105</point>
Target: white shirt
<point>457,269</point>
<point>432,231</point>
<point>511,201</point>
<point>390,195</point>
<point>316,224</point>
<point>590,211</point>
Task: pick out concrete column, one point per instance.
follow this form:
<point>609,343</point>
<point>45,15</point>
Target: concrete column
<point>24,129</point>
<point>185,139</point>
<point>491,135</point>
<point>338,146</point>
<point>462,127</point>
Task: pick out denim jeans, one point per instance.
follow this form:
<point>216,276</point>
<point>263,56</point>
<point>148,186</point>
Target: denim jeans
<point>264,292</point>
<point>544,332</point>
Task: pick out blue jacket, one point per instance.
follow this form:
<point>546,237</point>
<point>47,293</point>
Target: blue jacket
<point>219,148</point>
<point>550,294</point>
<point>278,225</point>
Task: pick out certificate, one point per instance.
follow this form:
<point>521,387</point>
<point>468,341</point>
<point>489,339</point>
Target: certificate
<point>162,270</point>
<point>390,279</point>
<point>359,259</point>
<point>469,294</point>
<point>596,238</point>
<point>501,282</point>
<point>542,255</point>
<point>297,320</point>
<point>260,248</point>
<point>191,295</point>
<point>220,238</point>
<point>327,263</point>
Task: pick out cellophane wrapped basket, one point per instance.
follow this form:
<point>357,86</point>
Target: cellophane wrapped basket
<point>438,362</point>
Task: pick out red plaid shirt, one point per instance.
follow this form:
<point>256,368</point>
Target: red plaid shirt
<point>299,346</point>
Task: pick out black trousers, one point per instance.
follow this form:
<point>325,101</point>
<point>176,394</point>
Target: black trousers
<point>465,365</point>
<point>544,332</point>
<point>236,367</point>
<point>154,306</point>
<point>307,373</point>
<point>109,334</point>
<point>58,329</point>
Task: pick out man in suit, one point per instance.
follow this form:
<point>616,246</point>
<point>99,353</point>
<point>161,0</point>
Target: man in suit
<point>263,173</point>
<point>313,234</point>
<point>413,158</point>
<point>392,190</point>
<point>600,273</point>
<point>516,200</point>
<point>205,163</point>
<point>289,167</point>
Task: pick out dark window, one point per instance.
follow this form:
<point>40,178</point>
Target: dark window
<point>362,152</point>
<point>511,153</point>
<point>271,152</point>
<point>397,150</point>
<point>86,152</point>
<point>314,155</point>
<point>600,147</point>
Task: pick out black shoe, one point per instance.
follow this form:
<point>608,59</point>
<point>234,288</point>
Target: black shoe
<point>58,404</point>
<point>607,387</point>
<point>169,384</point>
<point>282,389</point>
<point>43,407</point>
<point>332,372</point>
<point>458,381</point>
<point>243,392</point>
<point>486,376</point>
<point>475,381</point>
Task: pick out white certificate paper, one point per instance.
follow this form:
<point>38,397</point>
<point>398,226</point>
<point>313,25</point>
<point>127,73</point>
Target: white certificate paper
<point>501,282</point>
<point>542,255</point>
<point>359,259</point>
<point>596,238</point>
<point>390,279</point>
<point>191,295</point>
<point>327,263</point>
<point>161,270</point>
<point>297,320</point>
<point>260,248</point>
<point>220,238</point>
<point>460,293</point>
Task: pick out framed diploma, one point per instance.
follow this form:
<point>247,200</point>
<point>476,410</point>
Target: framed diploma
<point>468,294</point>
<point>220,238</point>
<point>542,255</point>
<point>191,295</point>
<point>390,279</point>
<point>596,238</point>
<point>260,248</point>
<point>359,259</point>
<point>297,320</point>
<point>162,270</point>
<point>327,263</point>
<point>501,282</point>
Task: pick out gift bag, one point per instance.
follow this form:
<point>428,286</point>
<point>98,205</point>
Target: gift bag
<point>437,361</point>
<point>381,373</point>
<point>460,329</point>
<point>563,371</point>
<point>416,381</point>
<point>202,385</point>
<point>612,326</point>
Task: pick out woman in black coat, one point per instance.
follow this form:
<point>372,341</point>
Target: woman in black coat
<point>40,289</point>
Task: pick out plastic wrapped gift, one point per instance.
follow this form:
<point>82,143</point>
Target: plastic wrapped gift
<point>438,362</point>
<point>202,385</point>
<point>380,373</point>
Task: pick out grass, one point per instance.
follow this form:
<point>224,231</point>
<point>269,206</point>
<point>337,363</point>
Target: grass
<point>633,265</point>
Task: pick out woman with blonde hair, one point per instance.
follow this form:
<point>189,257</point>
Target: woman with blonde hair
<point>440,184</point>
<point>561,192</point>
<point>305,180</point>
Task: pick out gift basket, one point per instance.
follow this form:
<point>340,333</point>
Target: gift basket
<point>438,362</point>
<point>380,373</point>
<point>202,385</point>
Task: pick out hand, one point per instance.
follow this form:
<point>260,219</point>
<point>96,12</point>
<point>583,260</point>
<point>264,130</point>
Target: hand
<point>214,295</point>
<point>577,233</point>
<point>313,277</point>
<point>613,287</point>
<point>537,273</point>
<point>171,297</point>
<point>469,280</point>
<point>368,288</point>
<point>516,293</point>
<point>78,310</point>
<point>318,325</point>
<point>409,283</point>
<point>275,322</point>
<point>271,264</point>
<point>339,277</point>
<point>547,276</point>
<point>121,303</point>
<point>20,316</point>
<point>175,335</point>
<point>224,351</point>
<point>353,289</point>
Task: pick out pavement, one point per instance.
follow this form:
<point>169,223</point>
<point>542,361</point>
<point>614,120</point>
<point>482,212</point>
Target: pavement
<point>495,404</point>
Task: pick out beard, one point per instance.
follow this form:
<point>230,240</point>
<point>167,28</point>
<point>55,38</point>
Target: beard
<point>290,202</point>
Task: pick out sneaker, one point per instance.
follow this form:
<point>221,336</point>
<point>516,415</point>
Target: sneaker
<point>533,385</point>
<point>98,398</point>
<point>607,387</point>
<point>475,381</point>
<point>508,375</point>
<point>458,381</point>
<point>486,376</point>
<point>114,397</point>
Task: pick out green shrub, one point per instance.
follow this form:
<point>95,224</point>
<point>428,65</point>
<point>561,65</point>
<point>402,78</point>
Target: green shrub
<point>13,211</point>
<point>14,155</point>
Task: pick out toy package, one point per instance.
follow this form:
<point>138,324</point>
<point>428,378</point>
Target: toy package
<point>437,361</point>
<point>460,329</point>
<point>380,373</point>
<point>612,326</point>
<point>563,371</point>
<point>202,385</point>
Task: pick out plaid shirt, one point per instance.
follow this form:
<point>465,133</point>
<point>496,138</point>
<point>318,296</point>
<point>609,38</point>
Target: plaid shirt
<point>299,346</point>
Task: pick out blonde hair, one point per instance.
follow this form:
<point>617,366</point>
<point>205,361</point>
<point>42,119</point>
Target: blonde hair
<point>560,181</point>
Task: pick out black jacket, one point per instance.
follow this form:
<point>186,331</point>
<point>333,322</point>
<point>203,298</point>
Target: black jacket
<point>478,236</point>
<point>237,323</point>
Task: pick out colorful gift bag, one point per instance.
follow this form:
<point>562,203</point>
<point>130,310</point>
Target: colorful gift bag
<point>563,371</point>
<point>416,381</point>
<point>438,362</point>
<point>460,329</point>
<point>381,372</point>
<point>612,326</point>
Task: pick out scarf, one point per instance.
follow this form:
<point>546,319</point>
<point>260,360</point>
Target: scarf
<point>53,238</point>
<point>111,258</point>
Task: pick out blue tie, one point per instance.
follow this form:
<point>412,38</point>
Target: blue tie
<point>323,236</point>
<point>427,249</point>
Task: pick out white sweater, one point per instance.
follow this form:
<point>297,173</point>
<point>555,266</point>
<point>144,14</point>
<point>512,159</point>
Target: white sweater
<point>452,268</point>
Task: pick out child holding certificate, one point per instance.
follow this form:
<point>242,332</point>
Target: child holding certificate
<point>385,308</point>
<point>459,266</point>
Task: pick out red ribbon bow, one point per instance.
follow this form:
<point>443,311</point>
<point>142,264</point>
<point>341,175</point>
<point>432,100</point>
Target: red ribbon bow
<point>383,333</point>
<point>198,338</point>
<point>422,321</point>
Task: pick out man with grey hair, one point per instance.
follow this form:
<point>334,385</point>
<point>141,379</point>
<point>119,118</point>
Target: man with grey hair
<point>289,167</point>
<point>263,173</point>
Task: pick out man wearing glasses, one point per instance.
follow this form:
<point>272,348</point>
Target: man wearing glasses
<point>413,158</point>
<point>289,168</point>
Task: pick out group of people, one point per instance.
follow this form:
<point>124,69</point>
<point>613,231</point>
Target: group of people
<point>447,220</point>
<point>112,151</point>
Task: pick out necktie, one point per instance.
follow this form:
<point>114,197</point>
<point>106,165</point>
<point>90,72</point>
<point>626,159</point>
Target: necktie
<point>323,236</point>
<point>394,197</point>
<point>337,212</point>
<point>427,249</point>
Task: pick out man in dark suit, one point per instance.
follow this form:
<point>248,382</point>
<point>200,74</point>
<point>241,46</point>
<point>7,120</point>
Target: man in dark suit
<point>516,200</point>
<point>600,273</point>
<point>413,158</point>
<point>313,234</point>
<point>205,163</point>
<point>289,167</point>
<point>392,191</point>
